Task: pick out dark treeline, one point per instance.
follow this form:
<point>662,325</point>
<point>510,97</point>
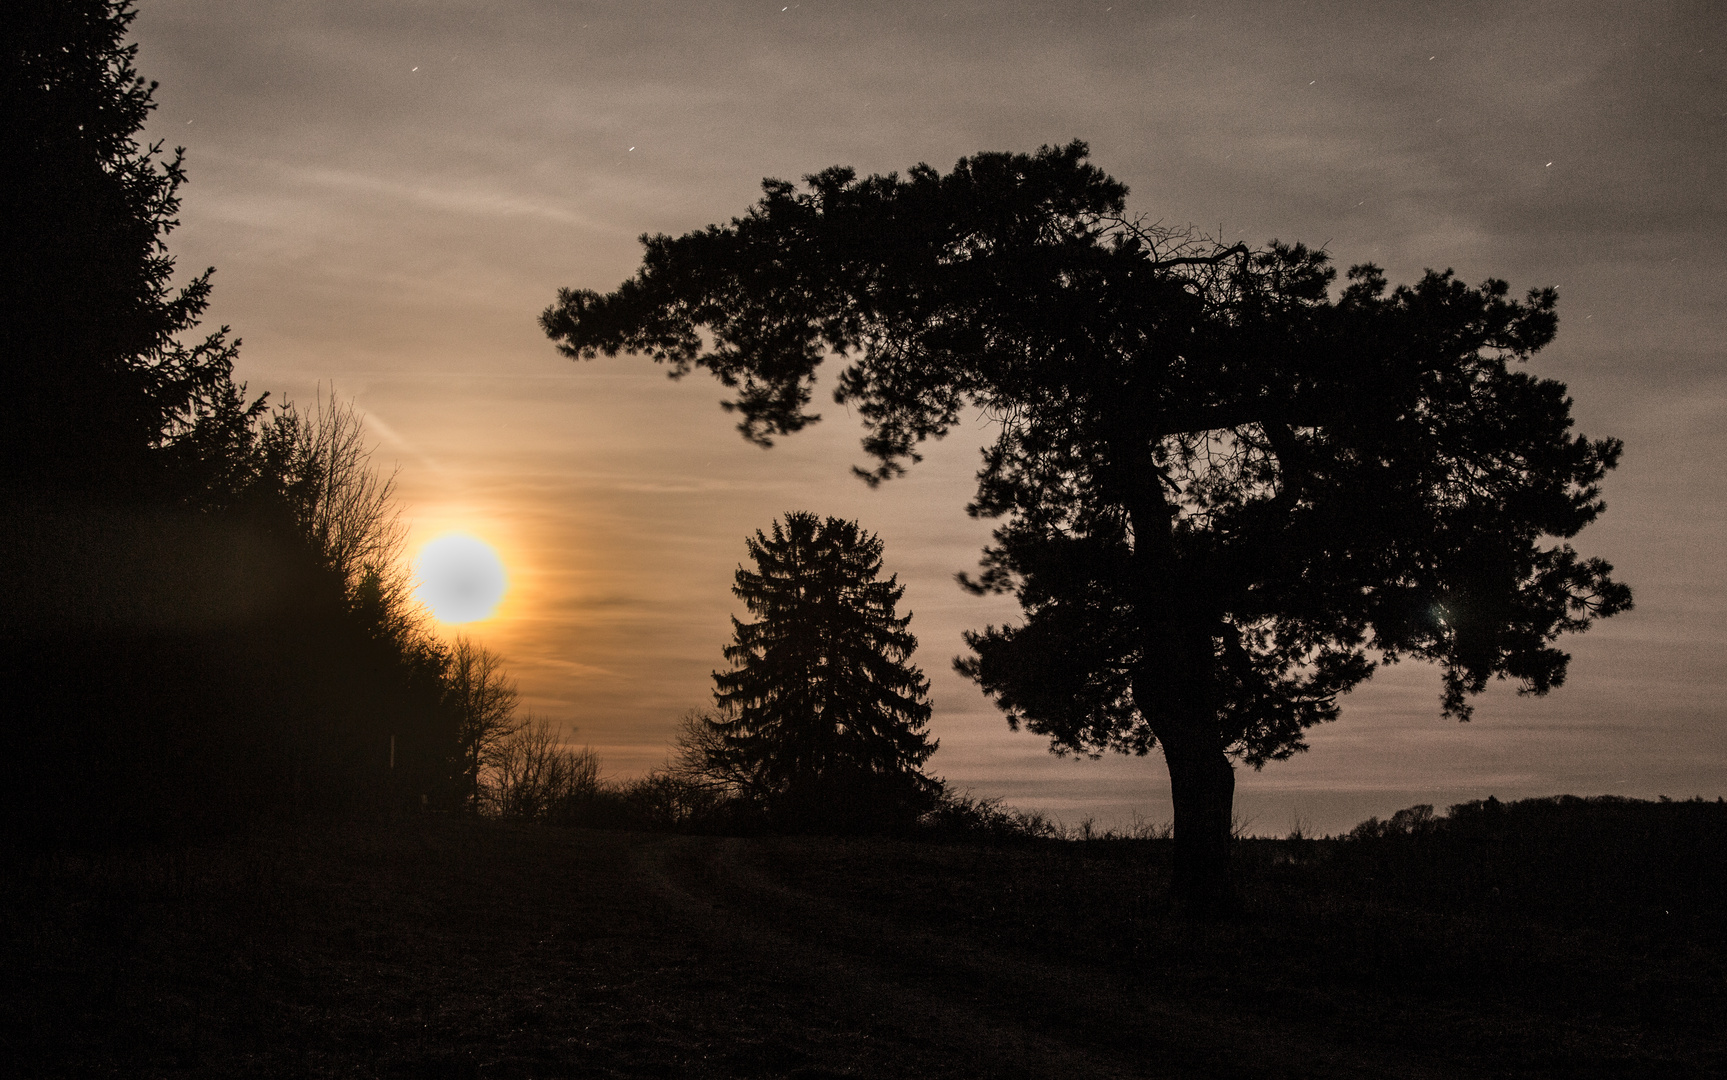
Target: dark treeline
<point>202,618</point>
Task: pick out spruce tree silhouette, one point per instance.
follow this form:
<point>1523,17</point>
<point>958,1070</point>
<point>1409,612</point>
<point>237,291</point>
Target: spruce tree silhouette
<point>1227,492</point>
<point>822,713</point>
<point>95,375</point>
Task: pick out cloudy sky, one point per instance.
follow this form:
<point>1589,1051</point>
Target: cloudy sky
<point>391,193</point>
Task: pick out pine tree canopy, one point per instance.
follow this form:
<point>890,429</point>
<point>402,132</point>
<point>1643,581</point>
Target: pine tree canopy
<point>96,376</point>
<point>821,685</point>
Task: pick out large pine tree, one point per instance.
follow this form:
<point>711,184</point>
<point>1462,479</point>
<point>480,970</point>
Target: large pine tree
<point>823,710</point>
<point>96,376</point>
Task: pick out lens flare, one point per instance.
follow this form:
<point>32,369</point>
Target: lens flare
<point>461,578</point>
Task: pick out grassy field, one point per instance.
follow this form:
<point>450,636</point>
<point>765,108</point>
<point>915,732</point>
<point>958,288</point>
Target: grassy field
<point>1576,941</point>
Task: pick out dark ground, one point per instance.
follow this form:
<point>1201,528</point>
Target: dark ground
<point>440,947</point>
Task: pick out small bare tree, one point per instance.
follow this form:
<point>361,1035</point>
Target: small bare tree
<point>484,700</point>
<point>533,774</point>
<point>349,512</point>
<point>344,507</point>
<point>699,757</point>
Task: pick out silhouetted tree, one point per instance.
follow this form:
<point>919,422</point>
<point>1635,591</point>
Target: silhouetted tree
<point>380,659</point>
<point>534,775</point>
<point>1227,491</point>
<point>136,533</point>
<point>823,714</point>
<point>96,379</point>
<point>484,699</point>
<point>343,505</point>
<point>697,756</point>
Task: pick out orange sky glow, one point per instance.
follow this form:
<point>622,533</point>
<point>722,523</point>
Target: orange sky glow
<point>391,194</point>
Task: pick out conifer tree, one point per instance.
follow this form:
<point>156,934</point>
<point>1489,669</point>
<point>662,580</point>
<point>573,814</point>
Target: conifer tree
<point>823,711</point>
<point>97,377</point>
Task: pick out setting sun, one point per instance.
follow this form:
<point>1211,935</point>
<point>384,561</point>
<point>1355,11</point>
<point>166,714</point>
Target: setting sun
<point>461,578</point>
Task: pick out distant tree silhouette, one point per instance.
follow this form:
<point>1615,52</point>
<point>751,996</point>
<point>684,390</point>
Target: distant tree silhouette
<point>697,756</point>
<point>823,715</point>
<point>1227,491</point>
<point>534,775</point>
<point>483,697</point>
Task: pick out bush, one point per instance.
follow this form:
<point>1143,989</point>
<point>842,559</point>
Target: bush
<point>963,816</point>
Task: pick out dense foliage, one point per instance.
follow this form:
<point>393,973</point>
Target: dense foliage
<point>1227,490</point>
<point>823,717</point>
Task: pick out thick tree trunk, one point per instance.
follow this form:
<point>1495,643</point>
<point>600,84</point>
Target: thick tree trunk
<point>1202,784</point>
<point>1176,691</point>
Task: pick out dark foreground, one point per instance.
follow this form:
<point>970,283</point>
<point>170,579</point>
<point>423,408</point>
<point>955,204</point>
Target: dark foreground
<point>455,948</point>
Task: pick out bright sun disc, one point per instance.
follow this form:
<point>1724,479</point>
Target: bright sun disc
<point>461,578</point>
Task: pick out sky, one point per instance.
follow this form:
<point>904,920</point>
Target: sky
<point>392,192</point>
